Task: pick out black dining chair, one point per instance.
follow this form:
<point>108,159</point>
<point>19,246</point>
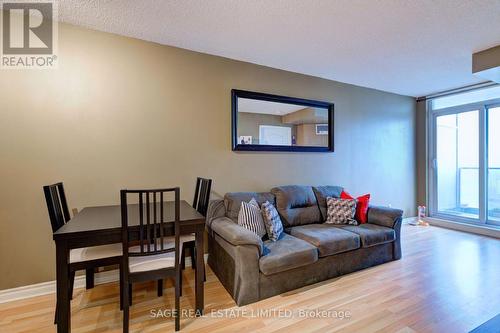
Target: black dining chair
<point>200,203</point>
<point>87,258</point>
<point>155,255</point>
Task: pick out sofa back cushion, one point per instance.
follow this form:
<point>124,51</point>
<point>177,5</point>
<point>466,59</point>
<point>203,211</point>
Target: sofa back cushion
<point>232,201</point>
<point>322,192</point>
<point>297,205</point>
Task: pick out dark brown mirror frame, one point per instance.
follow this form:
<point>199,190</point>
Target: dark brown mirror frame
<point>235,94</point>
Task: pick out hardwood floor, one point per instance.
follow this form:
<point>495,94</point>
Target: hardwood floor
<point>447,281</point>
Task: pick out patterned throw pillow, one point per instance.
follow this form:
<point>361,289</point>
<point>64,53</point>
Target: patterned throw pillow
<point>272,221</point>
<point>340,211</point>
<point>250,217</point>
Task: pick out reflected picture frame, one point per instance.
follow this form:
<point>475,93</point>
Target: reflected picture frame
<point>236,146</point>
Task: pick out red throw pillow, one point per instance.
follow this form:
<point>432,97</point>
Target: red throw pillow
<point>361,206</point>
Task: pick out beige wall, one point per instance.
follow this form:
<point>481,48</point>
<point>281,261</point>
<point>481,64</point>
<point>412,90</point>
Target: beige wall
<point>120,112</point>
<point>306,136</point>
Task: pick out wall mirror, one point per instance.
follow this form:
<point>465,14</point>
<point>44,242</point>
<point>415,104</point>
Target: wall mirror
<point>264,122</point>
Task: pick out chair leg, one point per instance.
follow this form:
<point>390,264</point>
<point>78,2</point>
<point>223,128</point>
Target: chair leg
<point>125,318</point>
<point>177,300</point>
<point>160,288</point>
<point>180,285</point>
<point>121,288</point>
<point>183,256</point>
<point>130,294</point>
<point>71,284</point>
<point>89,278</point>
<point>126,295</point>
<point>192,253</point>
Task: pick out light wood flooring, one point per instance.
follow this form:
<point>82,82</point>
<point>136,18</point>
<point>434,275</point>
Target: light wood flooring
<point>447,281</point>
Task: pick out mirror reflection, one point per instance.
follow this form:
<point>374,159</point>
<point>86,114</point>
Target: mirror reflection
<point>271,123</point>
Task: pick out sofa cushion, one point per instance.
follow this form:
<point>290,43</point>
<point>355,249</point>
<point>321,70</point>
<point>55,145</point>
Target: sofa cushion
<point>297,205</point>
<point>233,200</point>
<point>322,192</point>
<point>327,238</point>
<point>371,234</point>
<point>287,253</point>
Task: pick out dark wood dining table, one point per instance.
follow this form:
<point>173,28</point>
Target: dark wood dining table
<point>102,225</point>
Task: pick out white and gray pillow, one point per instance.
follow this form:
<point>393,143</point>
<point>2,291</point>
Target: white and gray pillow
<point>272,221</point>
<point>250,217</point>
<point>340,211</point>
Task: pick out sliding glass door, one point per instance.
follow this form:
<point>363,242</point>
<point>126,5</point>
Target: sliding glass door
<point>464,153</point>
<point>457,159</point>
<point>494,164</point>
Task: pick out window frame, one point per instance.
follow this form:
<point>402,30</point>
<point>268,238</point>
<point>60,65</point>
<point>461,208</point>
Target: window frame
<point>495,104</point>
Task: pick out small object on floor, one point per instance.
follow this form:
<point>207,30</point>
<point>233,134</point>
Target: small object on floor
<point>419,221</point>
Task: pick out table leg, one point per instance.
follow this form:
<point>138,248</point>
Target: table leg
<point>63,300</point>
<point>200,267</point>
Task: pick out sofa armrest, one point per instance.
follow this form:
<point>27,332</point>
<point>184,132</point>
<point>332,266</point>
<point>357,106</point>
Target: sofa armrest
<point>235,234</point>
<point>391,218</point>
<point>384,216</point>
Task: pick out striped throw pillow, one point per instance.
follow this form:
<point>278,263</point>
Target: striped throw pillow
<point>250,217</point>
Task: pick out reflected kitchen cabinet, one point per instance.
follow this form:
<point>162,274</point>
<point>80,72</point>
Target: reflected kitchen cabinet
<point>264,122</point>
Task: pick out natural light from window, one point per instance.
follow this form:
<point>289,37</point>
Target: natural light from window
<point>458,163</point>
<point>494,163</point>
<point>466,98</point>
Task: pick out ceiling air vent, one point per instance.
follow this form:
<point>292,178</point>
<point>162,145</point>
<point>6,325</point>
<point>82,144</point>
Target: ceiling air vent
<point>486,64</point>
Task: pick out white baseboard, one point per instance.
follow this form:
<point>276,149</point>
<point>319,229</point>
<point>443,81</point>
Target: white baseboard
<point>45,288</point>
<point>475,229</point>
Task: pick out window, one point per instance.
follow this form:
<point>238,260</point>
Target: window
<point>465,155</point>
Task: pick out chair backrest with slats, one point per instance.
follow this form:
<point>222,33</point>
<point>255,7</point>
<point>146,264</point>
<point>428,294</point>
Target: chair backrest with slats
<point>202,195</point>
<point>56,205</point>
<point>147,220</point>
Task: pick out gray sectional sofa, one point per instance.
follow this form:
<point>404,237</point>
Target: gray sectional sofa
<point>310,251</point>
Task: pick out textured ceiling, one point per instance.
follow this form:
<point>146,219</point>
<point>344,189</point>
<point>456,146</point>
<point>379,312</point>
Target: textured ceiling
<point>410,47</point>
